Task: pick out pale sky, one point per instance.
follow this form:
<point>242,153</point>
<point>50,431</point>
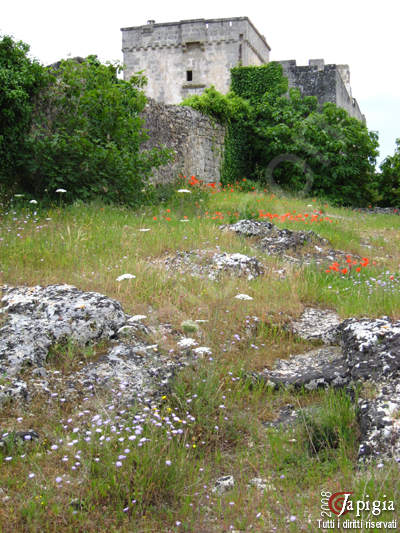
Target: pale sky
<point>363,34</point>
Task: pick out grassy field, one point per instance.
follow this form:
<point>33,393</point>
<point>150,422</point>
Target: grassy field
<point>162,482</point>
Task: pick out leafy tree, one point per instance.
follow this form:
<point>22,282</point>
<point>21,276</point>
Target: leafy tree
<point>284,138</point>
<point>87,134</point>
<point>321,152</point>
<point>21,78</point>
<point>390,178</point>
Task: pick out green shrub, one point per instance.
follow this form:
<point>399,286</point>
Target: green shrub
<point>390,179</point>
<point>20,80</point>
<point>287,140</point>
<point>86,136</point>
<point>221,107</point>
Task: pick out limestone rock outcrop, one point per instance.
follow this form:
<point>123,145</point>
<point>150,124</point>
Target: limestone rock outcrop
<point>368,354</point>
<point>210,264</point>
<point>35,319</point>
<point>293,245</point>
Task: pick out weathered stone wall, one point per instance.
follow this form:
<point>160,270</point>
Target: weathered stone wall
<point>183,58</point>
<point>256,49</point>
<point>207,49</point>
<point>329,83</point>
<point>196,140</point>
<point>345,100</point>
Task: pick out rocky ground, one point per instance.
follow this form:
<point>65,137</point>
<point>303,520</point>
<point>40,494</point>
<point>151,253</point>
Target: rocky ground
<point>380,210</point>
<point>356,352</point>
<point>135,369</point>
<point>303,247</point>
<point>210,264</point>
<point>295,247</point>
<point>37,318</point>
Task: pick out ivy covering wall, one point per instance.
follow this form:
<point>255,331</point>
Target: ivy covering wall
<point>276,136</point>
<point>250,83</point>
<point>253,82</point>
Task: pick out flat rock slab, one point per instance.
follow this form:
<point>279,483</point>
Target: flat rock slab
<point>380,422</point>
<point>271,239</point>
<point>319,368</point>
<point>317,324</point>
<point>136,373</point>
<point>238,264</point>
<point>37,318</point>
<point>371,348</point>
<point>287,243</point>
<point>250,228</point>
<point>372,351</point>
<point>210,264</point>
<point>369,353</point>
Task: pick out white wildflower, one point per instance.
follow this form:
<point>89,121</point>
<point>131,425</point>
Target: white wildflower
<point>186,342</point>
<point>202,350</point>
<point>125,276</point>
<point>243,297</point>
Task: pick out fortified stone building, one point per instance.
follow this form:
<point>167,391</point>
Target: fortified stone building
<point>329,83</point>
<point>183,58</point>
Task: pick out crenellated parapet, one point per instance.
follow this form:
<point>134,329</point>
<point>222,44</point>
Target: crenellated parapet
<point>329,83</point>
<point>182,58</point>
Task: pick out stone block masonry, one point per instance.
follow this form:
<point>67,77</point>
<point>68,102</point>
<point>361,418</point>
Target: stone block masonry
<point>183,58</point>
<point>197,142</point>
<point>329,83</point>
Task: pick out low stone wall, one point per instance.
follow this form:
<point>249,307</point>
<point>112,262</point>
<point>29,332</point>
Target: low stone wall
<point>197,142</point>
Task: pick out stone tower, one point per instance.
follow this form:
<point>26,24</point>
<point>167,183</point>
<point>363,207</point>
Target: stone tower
<point>329,83</point>
<point>183,58</point>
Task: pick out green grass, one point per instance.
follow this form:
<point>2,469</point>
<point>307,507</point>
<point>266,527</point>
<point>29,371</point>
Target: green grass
<point>219,411</point>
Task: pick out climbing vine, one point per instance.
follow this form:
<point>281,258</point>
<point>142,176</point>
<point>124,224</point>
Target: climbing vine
<point>280,137</point>
<point>252,82</point>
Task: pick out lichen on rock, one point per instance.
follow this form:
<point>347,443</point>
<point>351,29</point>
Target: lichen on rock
<point>37,318</point>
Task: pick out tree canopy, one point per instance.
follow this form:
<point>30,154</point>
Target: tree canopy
<point>75,126</point>
<point>280,137</point>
